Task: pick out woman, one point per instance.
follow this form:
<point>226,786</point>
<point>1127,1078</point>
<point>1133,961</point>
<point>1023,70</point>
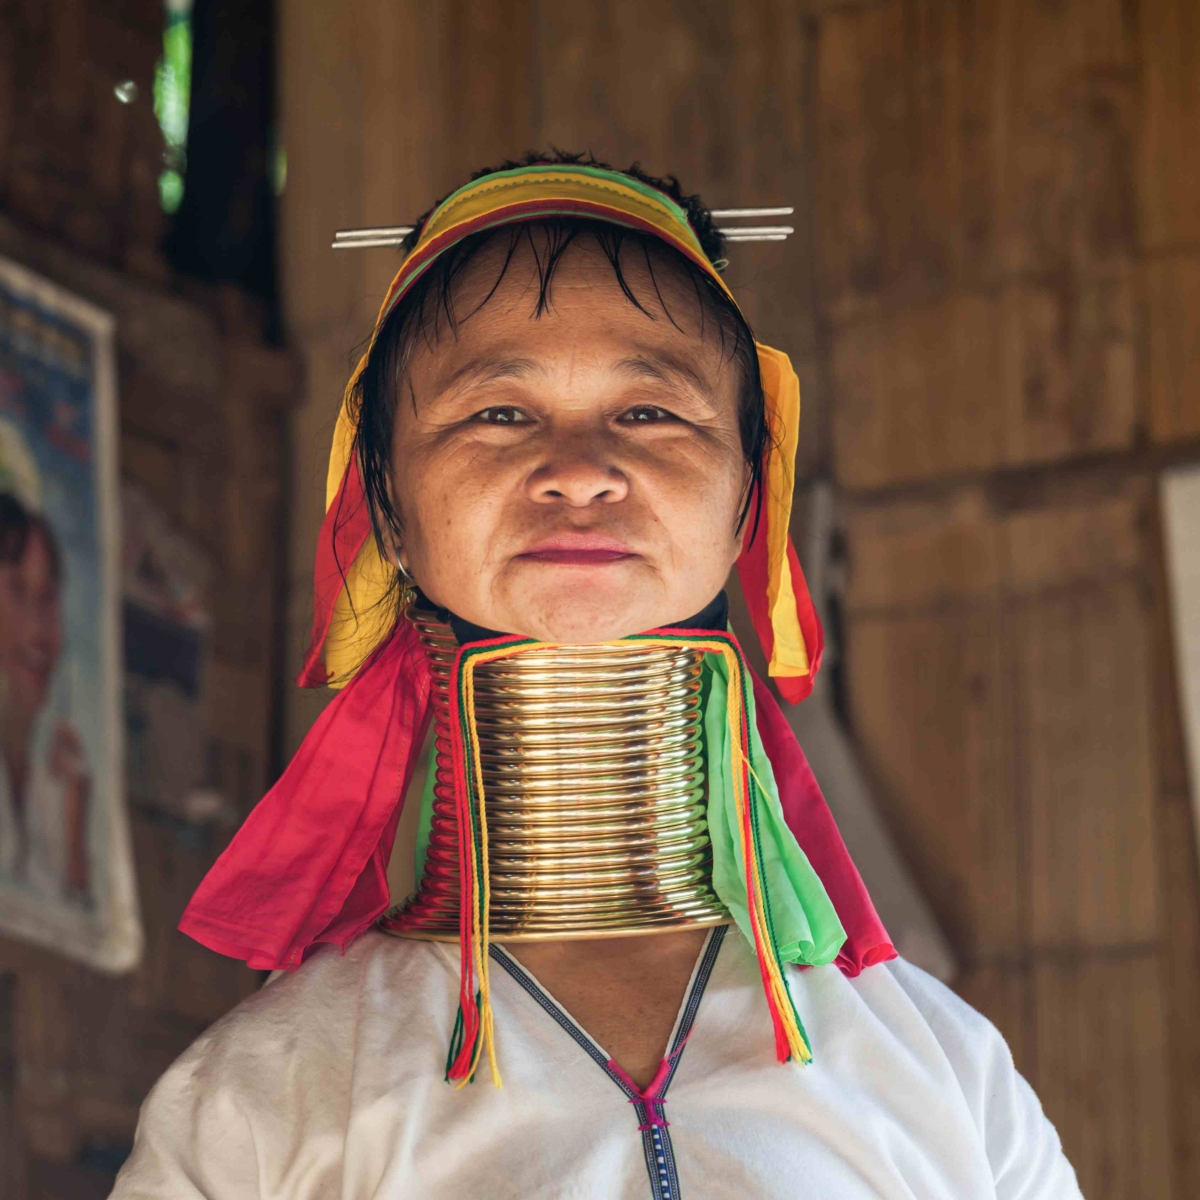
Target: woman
<point>43,798</point>
<point>560,441</point>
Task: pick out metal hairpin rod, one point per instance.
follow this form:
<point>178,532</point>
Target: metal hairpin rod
<point>727,214</point>
<point>755,231</point>
<point>367,243</point>
<point>394,235</point>
<point>373,232</point>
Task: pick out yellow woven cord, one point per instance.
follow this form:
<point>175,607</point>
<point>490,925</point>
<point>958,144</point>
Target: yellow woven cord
<point>360,621</point>
<point>480,931</point>
<point>778,994</point>
<point>781,387</point>
<point>757,908</point>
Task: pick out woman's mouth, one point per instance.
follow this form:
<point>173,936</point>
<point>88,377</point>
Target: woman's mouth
<point>578,550</point>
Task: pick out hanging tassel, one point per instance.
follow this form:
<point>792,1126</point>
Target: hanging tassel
<point>473,1029</point>
<point>791,1042</point>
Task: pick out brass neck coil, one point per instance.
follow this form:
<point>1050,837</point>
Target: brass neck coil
<point>595,795</point>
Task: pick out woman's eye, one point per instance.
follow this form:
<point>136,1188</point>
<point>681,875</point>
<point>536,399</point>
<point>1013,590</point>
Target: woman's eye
<point>502,414</point>
<point>646,414</point>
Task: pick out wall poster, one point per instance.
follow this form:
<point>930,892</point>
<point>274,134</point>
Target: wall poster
<point>66,866</point>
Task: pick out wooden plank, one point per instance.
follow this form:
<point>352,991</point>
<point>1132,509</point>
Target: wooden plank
<point>1084,701</point>
<point>42,1025</point>
<point>12,1153</point>
<point>1168,162</point>
<point>323,76</point>
<point>1172,297</point>
<point>918,392</point>
<point>978,381</point>
<point>118,1052</point>
<point>921,554</point>
<point>669,110</point>
<point>1070,372</point>
<point>1101,1072</point>
<point>1074,540</point>
<point>177,975</point>
<point>976,231</point>
<point>485,116</point>
<point>1180,966</point>
<point>961,144</point>
<point>929,711</point>
<point>909,121</point>
<point>1070,113</point>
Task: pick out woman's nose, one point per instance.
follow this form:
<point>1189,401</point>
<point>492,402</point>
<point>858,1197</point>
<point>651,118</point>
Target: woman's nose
<point>577,479</point>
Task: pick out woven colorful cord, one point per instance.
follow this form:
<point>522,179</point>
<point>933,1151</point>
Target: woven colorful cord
<point>473,1031</point>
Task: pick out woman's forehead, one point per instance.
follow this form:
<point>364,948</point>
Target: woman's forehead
<point>514,300</point>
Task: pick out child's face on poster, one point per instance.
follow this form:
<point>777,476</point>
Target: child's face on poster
<point>30,624</point>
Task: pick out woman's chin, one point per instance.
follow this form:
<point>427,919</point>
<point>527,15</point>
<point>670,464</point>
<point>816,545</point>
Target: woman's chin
<point>600,613</point>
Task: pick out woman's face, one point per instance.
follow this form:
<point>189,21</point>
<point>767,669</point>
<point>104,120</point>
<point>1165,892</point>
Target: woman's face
<point>30,624</point>
<point>575,477</point>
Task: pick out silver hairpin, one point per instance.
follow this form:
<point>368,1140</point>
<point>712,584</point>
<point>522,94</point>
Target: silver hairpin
<point>394,235</point>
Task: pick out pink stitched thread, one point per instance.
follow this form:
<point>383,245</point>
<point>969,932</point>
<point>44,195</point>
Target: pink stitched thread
<point>648,1098</point>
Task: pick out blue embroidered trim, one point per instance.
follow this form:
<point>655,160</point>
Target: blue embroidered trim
<point>656,1139</point>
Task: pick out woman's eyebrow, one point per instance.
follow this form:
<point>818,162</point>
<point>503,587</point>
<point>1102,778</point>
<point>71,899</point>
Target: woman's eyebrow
<point>667,368</point>
<point>491,367</point>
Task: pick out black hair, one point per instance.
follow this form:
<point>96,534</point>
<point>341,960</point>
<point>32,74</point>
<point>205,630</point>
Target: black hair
<point>17,526</point>
<point>431,299</point>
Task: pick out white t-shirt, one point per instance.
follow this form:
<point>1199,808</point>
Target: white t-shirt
<point>329,1083</point>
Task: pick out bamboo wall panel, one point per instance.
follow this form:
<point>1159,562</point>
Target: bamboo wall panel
<point>1100,1072</point>
<point>1169,159</point>
<point>976,229</point>
<point>1172,299</point>
<point>928,709</point>
<point>1083,681</point>
<point>908,127</point>
<point>1002,674</point>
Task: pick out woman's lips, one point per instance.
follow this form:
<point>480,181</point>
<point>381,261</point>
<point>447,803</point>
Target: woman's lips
<point>577,558</point>
<point>578,550</point>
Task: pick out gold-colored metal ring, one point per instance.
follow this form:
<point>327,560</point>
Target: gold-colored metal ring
<point>593,781</point>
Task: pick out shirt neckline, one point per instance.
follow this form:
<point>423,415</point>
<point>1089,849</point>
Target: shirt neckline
<point>680,1032</point>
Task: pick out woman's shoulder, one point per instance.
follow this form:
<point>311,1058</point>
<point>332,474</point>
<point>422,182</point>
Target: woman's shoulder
<point>927,1015</point>
<point>311,1012</point>
<point>278,1065</point>
<point>941,1030</point>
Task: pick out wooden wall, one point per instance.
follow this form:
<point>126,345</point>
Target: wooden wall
<point>1003,251</point>
<point>203,411</point>
<point>993,303</point>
